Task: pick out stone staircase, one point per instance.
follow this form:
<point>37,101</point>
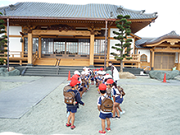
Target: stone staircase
<point>61,71</point>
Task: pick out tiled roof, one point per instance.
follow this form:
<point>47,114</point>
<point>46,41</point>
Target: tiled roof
<point>141,42</point>
<point>39,9</point>
<point>171,35</point>
<point>146,41</point>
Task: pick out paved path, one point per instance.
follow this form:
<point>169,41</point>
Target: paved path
<point>16,102</point>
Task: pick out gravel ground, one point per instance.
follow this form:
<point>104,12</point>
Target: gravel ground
<point>152,107</point>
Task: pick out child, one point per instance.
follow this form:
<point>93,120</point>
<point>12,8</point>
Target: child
<point>118,99</point>
<point>96,76</point>
<point>72,108</point>
<point>103,115</point>
<point>92,77</point>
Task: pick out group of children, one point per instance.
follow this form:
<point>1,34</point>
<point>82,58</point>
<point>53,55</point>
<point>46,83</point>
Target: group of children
<point>107,88</point>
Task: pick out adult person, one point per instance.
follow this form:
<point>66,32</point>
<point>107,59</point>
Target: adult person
<point>114,71</point>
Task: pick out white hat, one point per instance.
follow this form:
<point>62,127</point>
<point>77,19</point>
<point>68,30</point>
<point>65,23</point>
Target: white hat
<point>76,72</point>
<point>86,72</point>
<point>83,72</point>
<point>107,76</point>
<point>103,72</point>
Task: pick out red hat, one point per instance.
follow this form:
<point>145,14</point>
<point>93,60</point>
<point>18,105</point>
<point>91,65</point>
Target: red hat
<point>107,74</point>
<point>97,69</point>
<point>109,81</point>
<point>94,69</point>
<point>101,68</point>
<point>74,82</point>
<point>102,86</point>
<point>75,77</point>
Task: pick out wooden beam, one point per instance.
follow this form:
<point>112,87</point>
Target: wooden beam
<point>152,60</point>
<point>108,43</point>
<point>170,50</point>
<point>22,47</point>
<point>30,48</point>
<point>57,32</point>
<point>170,41</point>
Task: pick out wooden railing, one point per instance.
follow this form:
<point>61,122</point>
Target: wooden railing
<point>35,56</point>
<point>134,62</point>
<point>135,57</point>
<point>17,54</point>
<point>17,57</point>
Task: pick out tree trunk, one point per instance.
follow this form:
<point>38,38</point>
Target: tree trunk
<point>121,69</point>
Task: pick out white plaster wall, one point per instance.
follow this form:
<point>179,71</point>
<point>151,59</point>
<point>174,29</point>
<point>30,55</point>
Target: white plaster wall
<point>14,30</point>
<point>113,42</point>
<point>147,52</point>
<point>111,31</point>
<point>132,46</point>
<point>15,45</point>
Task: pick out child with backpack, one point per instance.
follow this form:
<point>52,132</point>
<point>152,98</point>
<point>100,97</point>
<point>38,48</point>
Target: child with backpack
<point>105,106</point>
<point>117,97</point>
<point>72,99</point>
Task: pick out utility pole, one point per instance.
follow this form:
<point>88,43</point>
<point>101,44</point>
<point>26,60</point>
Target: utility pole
<point>8,44</point>
<point>105,49</point>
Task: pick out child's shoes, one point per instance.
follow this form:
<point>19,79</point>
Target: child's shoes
<point>123,112</point>
<point>102,132</point>
<point>72,127</point>
<point>108,129</point>
<point>68,125</point>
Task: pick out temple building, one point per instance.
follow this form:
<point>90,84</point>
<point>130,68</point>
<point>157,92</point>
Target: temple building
<point>82,35</point>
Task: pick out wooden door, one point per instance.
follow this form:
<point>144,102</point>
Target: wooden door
<point>164,61</point>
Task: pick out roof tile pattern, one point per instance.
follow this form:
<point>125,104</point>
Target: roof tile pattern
<point>41,9</point>
<point>144,41</point>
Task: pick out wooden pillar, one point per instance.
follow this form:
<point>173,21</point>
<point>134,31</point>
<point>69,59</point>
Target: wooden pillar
<point>108,47</point>
<point>30,49</point>
<point>152,67</point>
<point>91,50</point>
<point>39,47</point>
<point>23,47</point>
<point>178,62</point>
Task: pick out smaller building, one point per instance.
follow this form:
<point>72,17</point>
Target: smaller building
<point>161,53</point>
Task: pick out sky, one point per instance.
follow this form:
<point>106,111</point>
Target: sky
<point>168,12</point>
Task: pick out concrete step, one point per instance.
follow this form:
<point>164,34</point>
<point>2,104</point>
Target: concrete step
<point>62,71</point>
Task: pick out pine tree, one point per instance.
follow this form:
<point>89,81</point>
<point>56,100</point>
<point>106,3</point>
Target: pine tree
<point>3,41</point>
<point>123,47</point>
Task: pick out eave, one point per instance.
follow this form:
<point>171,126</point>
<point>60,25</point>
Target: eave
<point>137,24</point>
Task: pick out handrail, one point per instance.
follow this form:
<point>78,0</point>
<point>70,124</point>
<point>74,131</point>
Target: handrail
<point>35,56</point>
<point>57,64</point>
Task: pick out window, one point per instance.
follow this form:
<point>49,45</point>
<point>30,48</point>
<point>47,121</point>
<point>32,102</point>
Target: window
<point>84,45</point>
<point>144,58</point>
<point>99,47</point>
<point>26,45</point>
<point>71,47</point>
<point>35,45</point>
<point>65,46</point>
<point>47,45</point>
<point>59,47</point>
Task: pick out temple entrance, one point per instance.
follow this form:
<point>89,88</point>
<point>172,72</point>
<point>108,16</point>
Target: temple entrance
<point>65,48</point>
<point>164,61</point>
